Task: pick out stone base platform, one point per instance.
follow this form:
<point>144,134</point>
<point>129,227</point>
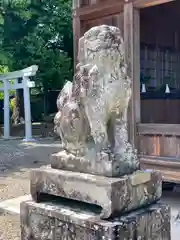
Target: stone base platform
<point>114,195</point>
<point>102,164</point>
<point>55,221</point>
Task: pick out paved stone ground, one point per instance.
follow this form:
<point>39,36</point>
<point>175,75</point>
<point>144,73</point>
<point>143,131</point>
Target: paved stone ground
<point>18,158</point>
<point>173,199</point>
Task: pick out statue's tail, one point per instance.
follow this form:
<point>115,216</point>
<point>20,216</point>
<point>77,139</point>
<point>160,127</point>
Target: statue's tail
<point>62,99</point>
<point>64,95</point>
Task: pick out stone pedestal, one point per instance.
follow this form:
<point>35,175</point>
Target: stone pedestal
<point>94,189</point>
<point>114,195</point>
<point>54,221</point>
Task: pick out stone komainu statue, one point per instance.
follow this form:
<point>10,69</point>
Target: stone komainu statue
<point>90,107</point>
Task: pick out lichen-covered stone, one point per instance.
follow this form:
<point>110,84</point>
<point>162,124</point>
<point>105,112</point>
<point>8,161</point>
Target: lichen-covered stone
<point>92,124</point>
<point>54,221</point>
<point>92,110</point>
<point>113,195</point>
<point>103,164</point>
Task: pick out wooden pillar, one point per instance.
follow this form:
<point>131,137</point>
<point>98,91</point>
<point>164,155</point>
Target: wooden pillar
<point>120,23</point>
<point>149,3</point>
<point>76,29</point>
<point>132,58</point>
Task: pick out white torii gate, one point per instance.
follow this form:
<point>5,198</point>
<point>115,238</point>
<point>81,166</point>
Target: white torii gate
<point>25,85</point>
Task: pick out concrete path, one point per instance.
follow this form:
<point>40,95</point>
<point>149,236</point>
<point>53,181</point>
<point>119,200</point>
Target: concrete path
<point>173,199</point>
<point>12,206</point>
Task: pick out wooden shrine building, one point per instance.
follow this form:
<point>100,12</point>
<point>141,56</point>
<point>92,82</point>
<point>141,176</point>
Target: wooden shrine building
<point>151,33</point>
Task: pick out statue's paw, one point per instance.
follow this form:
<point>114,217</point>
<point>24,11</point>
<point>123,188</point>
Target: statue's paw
<point>131,150</point>
<point>104,150</point>
<point>107,150</point>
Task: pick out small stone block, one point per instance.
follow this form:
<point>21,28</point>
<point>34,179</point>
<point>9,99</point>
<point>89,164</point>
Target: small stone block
<point>102,164</point>
<point>54,221</point>
<point>113,195</point>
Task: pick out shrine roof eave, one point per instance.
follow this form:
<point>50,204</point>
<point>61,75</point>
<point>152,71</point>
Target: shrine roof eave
<point>99,10</point>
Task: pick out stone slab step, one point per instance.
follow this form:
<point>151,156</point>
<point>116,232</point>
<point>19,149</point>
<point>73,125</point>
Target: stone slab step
<point>12,206</point>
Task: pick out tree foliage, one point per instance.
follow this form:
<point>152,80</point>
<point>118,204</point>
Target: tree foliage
<point>38,32</point>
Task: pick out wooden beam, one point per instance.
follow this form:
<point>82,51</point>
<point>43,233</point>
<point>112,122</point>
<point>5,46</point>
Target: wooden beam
<point>158,129</point>
<point>170,168</point>
<point>132,58</point>
<point>120,23</point>
<point>136,64</point>
<point>161,161</point>
<point>128,44</point>
<point>149,3</point>
<point>100,10</point>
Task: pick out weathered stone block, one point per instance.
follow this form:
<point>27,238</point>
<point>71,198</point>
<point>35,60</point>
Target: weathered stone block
<point>103,164</point>
<point>53,221</point>
<point>113,195</point>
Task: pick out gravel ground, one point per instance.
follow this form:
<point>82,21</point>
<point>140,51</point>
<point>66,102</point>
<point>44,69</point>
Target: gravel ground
<point>16,160</point>
<point>9,228</point>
